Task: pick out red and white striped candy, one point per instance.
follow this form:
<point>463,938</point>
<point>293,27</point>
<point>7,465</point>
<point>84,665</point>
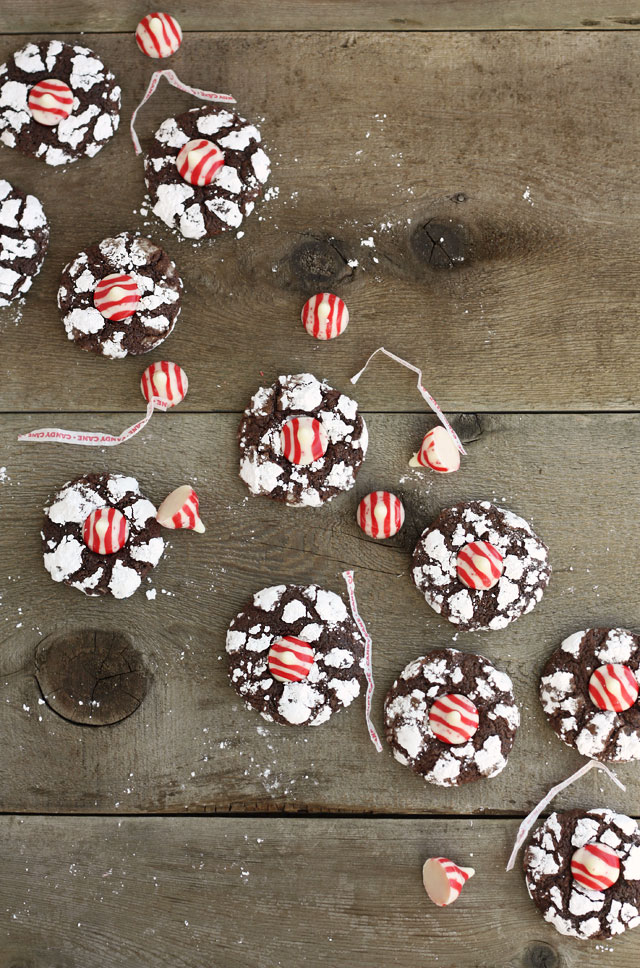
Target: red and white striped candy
<point>116,297</point>
<point>325,316</point>
<point>158,35</point>
<point>479,565</point>
<point>165,380</point>
<point>614,687</point>
<point>443,880</point>
<point>454,719</point>
<point>199,161</point>
<point>438,451</point>
<point>303,440</point>
<point>380,514</point>
<point>290,659</point>
<point>181,510</point>
<point>50,101</point>
<point>105,531</point>
<point>595,866</point>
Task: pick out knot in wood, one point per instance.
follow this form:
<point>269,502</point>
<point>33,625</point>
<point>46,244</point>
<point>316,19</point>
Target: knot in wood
<point>441,242</point>
<point>319,264</point>
<point>540,955</point>
<point>468,426</point>
<point>91,677</point>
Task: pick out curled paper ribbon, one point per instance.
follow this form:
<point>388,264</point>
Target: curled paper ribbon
<point>53,435</point>
<point>175,81</point>
<point>368,649</point>
<point>422,390</point>
<point>528,822</point>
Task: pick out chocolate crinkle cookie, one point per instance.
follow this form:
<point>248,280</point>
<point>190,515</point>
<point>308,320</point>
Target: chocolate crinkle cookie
<point>589,691</point>
<point>481,567</point>
<point>123,295</point>
<point>200,210</point>
<point>295,654</point>
<point>301,441</point>
<point>571,850</point>
<point>24,240</point>
<point>65,537</point>
<point>58,102</point>
<point>451,717</point>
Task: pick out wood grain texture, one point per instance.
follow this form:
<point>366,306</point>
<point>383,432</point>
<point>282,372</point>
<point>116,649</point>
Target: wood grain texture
<point>192,745</point>
<point>521,147</point>
<point>183,892</point>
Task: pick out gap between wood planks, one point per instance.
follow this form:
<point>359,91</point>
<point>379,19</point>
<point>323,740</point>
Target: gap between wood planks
<point>280,815</point>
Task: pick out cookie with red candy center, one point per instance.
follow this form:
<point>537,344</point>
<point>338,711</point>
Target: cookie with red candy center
<point>105,531</point>
<point>50,101</point>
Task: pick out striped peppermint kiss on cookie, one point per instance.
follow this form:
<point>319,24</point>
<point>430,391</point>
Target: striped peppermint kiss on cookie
<point>158,35</point>
<point>105,531</point>
<point>199,161</point>
<point>438,451</point>
<point>165,380</point>
<point>479,565</point>
<point>325,316</point>
<point>116,297</point>
<point>595,866</point>
<point>50,101</point>
<point>443,880</point>
<point>454,719</point>
<point>613,687</point>
<point>303,440</point>
<point>380,514</point>
<point>290,659</point>
<point>181,510</point>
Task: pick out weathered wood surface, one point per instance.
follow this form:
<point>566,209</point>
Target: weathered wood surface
<point>523,144</point>
<point>192,745</point>
<point>188,892</point>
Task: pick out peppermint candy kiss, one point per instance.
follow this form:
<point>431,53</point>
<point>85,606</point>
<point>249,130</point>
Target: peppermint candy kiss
<point>303,440</point>
<point>479,565</point>
<point>325,316</point>
<point>181,510</point>
<point>168,381</point>
<point>438,451</point>
<point>116,297</point>
<point>199,161</point>
<point>454,719</point>
<point>380,514</point>
<point>443,880</point>
<point>158,35</point>
<point>595,866</point>
<point>105,531</point>
<point>290,659</point>
<point>613,687</point>
<point>50,101</point>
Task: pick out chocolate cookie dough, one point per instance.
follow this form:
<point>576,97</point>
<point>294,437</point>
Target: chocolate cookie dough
<point>330,678</point>
<point>263,465</point>
<point>66,556</point>
<point>523,577</point>
<point>94,111</point>
<point>206,210</point>
<point>24,240</point>
<point>418,713</point>
<point>160,296</point>
<point>571,908</point>
<point>578,714</point>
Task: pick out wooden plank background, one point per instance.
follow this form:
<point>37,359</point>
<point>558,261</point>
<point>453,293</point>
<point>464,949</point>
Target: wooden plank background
<point>521,146</point>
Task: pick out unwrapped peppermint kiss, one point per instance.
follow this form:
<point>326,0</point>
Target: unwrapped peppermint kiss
<point>158,35</point>
<point>181,510</point>
<point>443,880</point>
<point>437,451</point>
<point>479,565</point>
<point>380,514</point>
<point>168,381</point>
<point>595,866</point>
<point>199,161</point>
<point>50,101</point>
<point>303,440</point>
<point>613,687</point>
<point>325,316</point>
<point>116,297</point>
<point>290,659</point>
<point>454,719</point>
<point>105,531</point>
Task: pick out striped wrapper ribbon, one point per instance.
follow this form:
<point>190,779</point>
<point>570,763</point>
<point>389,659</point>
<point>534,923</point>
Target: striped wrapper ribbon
<point>175,81</point>
<point>89,438</point>
<point>368,650</point>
